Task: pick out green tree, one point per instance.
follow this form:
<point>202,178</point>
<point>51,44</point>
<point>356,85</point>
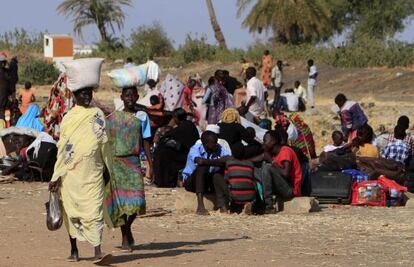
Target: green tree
<point>378,18</point>
<point>102,13</point>
<point>292,21</point>
<point>148,41</point>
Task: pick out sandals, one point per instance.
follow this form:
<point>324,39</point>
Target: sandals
<point>105,260</point>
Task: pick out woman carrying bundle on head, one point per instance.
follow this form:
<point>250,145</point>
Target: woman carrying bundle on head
<point>84,161</point>
<point>125,197</point>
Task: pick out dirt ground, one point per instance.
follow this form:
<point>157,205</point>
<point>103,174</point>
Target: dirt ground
<point>336,236</point>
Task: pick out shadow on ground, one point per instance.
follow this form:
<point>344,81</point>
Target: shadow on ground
<point>171,249</point>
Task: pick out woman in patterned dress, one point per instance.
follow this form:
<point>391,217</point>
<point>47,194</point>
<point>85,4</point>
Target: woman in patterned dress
<point>125,197</point>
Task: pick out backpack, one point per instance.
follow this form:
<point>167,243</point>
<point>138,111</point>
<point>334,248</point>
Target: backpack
<point>240,178</point>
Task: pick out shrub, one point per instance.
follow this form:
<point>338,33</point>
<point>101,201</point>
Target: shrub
<point>39,71</point>
<point>21,40</point>
<point>147,41</point>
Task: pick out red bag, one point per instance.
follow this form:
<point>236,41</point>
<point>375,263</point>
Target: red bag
<point>368,193</point>
<point>394,192</point>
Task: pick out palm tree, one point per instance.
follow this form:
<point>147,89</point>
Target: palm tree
<point>103,13</point>
<point>216,27</point>
<point>292,21</point>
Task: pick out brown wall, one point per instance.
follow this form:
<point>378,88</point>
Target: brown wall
<point>62,47</point>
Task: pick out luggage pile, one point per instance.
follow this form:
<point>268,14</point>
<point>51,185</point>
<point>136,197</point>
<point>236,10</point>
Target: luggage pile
<point>373,181</point>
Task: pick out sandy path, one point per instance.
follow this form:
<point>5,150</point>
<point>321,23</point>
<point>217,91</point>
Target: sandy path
<point>341,236</point>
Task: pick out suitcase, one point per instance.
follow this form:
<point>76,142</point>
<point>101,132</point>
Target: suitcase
<point>331,187</point>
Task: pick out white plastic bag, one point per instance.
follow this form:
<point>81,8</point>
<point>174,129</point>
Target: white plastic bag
<point>127,77</point>
<point>54,217</point>
<point>82,73</point>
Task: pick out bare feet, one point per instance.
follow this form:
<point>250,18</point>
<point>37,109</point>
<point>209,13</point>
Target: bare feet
<point>103,259</point>
<point>74,256</point>
<point>202,211</point>
<point>126,247</point>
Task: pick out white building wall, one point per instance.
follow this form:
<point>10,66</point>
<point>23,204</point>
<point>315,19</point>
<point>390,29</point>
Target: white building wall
<point>48,46</point>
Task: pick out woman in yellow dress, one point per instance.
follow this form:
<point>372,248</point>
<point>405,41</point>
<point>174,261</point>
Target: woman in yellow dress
<point>84,159</point>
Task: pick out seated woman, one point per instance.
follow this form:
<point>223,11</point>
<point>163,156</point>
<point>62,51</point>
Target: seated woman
<point>304,140</point>
<point>233,132</point>
<point>363,146</point>
<point>171,152</point>
<point>31,119</point>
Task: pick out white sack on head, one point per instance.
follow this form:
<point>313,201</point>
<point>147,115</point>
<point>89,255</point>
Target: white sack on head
<point>83,73</point>
<point>128,77</point>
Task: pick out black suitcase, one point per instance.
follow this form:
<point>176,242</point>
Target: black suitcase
<point>331,187</point>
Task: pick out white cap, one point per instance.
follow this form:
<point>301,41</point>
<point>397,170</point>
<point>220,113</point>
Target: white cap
<point>213,128</point>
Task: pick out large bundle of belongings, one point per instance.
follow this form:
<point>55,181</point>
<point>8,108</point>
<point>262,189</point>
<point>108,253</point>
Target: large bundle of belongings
<point>343,178</point>
<point>29,154</point>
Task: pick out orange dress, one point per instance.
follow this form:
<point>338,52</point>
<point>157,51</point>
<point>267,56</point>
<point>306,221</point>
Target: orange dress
<point>267,63</point>
<point>27,97</point>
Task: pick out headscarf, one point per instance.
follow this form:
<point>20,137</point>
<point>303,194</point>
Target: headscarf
<point>30,119</point>
<point>230,115</point>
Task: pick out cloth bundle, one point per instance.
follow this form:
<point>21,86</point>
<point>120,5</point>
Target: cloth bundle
<point>83,73</point>
<point>128,77</point>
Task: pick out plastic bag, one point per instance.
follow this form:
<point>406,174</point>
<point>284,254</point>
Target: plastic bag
<point>84,72</point>
<point>54,217</point>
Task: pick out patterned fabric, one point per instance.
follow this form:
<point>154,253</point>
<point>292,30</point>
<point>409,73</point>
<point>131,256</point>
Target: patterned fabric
<point>304,141</point>
<point>171,89</point>
<point>220,101</point>
<point>267,63</point>
<point>124,194</point>
<point>83,154</point>
<point>397,151</point>
<point>408,140</point>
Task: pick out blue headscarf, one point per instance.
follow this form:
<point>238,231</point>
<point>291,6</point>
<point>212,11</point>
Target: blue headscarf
<point>30,120</point>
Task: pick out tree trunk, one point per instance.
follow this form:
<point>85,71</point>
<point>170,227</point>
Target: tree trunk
<point>102,31</point>
<point>216,27</point>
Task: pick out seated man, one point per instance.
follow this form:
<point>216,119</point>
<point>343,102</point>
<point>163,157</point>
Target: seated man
<point>204,170</point>
<point>283,177</point>
<point>292,100</point>
<point>338,142</point>
<point>398,150</point>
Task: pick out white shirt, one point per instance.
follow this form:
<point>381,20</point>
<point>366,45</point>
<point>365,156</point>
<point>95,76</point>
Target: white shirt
<point>312,71</point>
<point>300,92</point>
<point>153,71</point>
<point>277,75</point>
<point>292,101</point>
<point>256,88</point>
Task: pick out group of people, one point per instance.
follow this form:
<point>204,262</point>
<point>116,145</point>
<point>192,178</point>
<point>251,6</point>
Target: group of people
<point>187,132</point>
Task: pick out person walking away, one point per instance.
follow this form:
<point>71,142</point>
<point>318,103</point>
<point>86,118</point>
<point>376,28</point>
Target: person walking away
<point>397,150</point>
<point>204,171</point>
<point>351,115</point>
<point>220,99</point>
<point>256,94</point>
<point>267,63</point>
<point>26,97</point>
<point>125,196</point>
<point>4,86</point>
<point>84,160</point>
<point>312,75</point>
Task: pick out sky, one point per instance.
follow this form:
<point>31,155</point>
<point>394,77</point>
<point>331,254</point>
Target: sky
<point>178,17</point>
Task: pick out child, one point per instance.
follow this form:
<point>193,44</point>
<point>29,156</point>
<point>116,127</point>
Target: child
<point>338,142</point>
<point>188,103</point>
<point>26,97</point>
